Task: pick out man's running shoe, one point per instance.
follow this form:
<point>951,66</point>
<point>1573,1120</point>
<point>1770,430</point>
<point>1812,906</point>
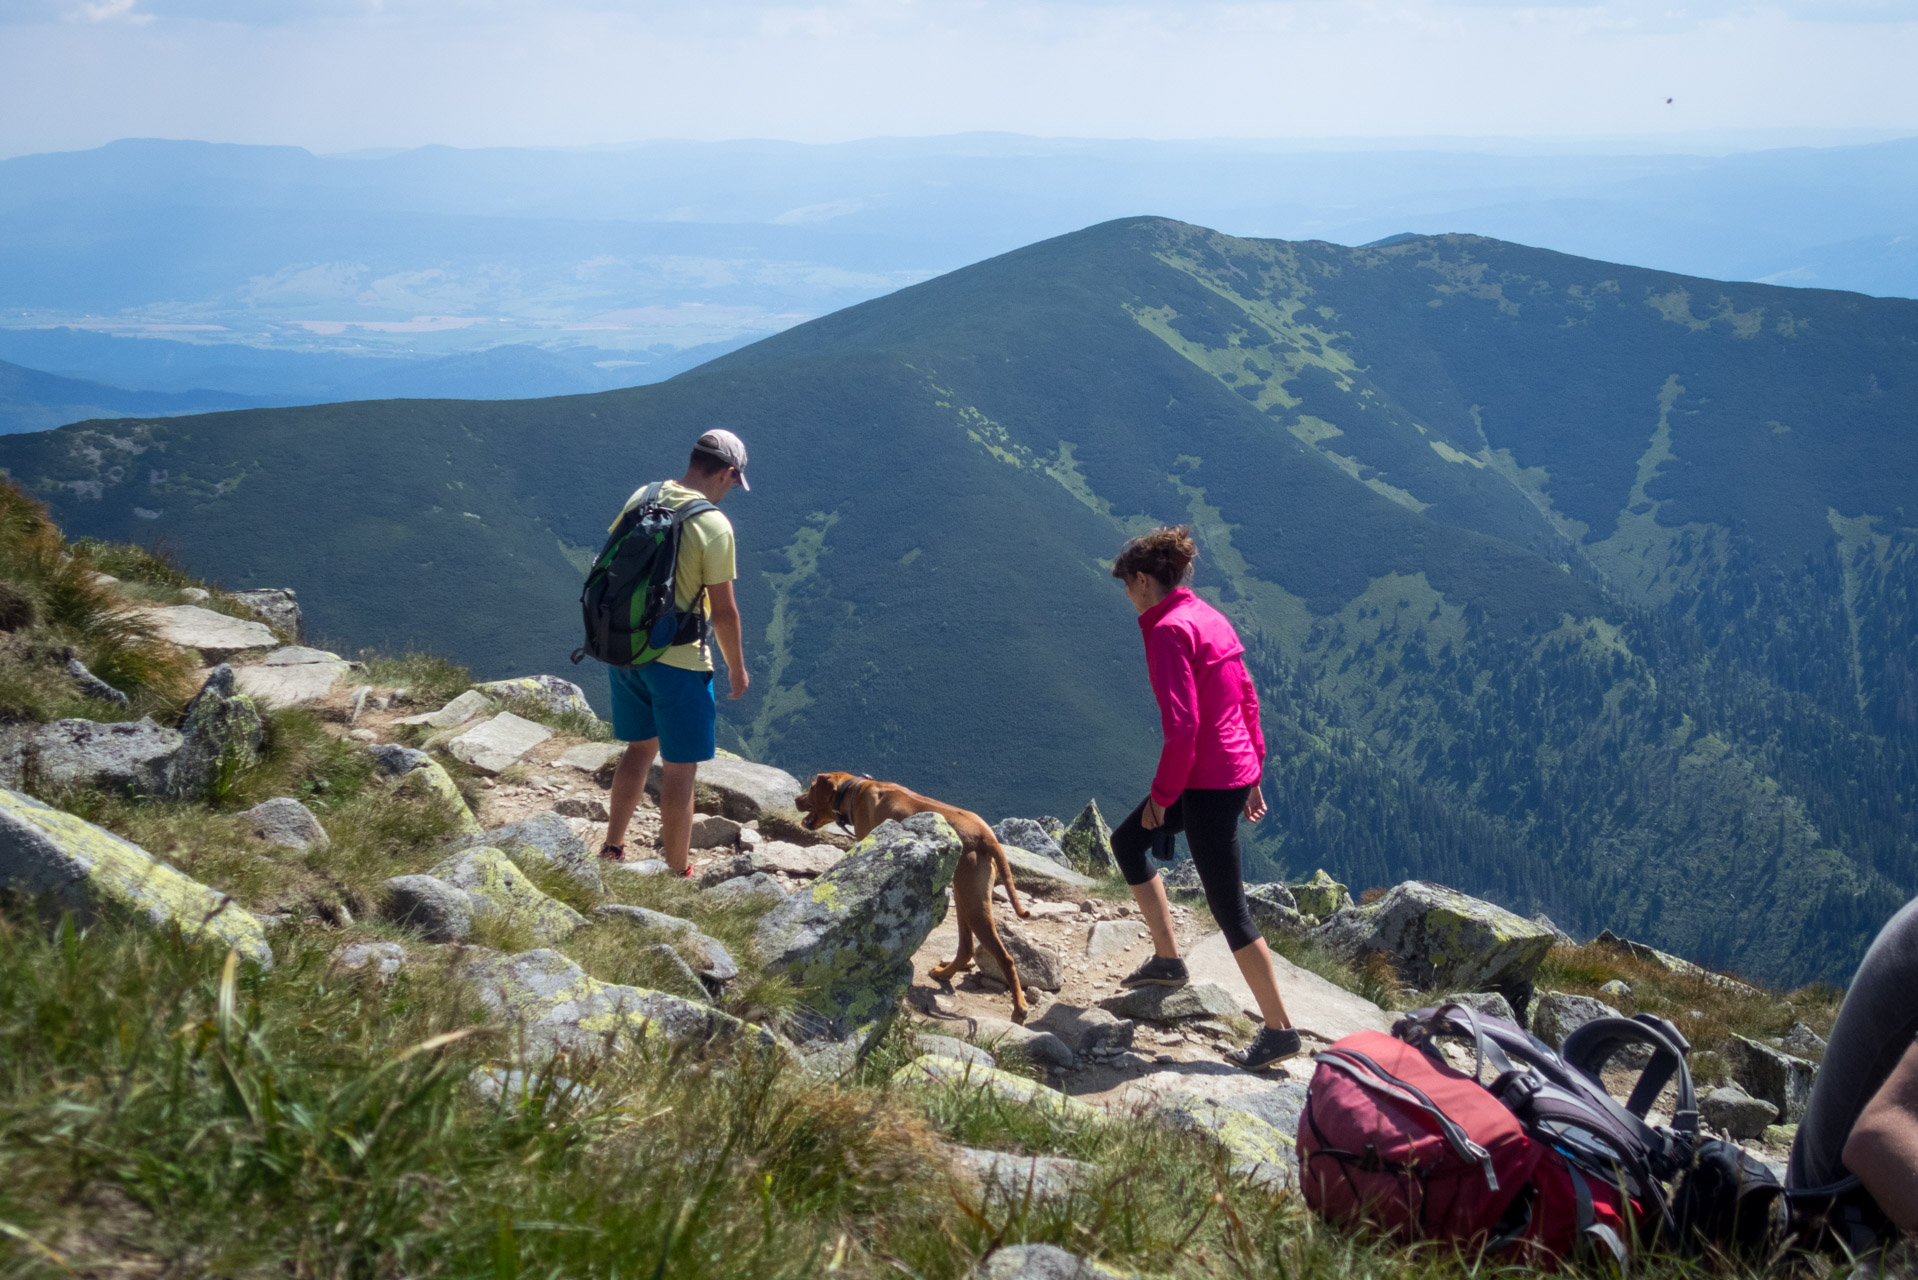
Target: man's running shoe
<point>1268,1049</point>
<point>1158,972</point>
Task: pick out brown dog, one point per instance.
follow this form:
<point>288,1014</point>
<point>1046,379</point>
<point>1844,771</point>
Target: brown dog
<point>862,804</point>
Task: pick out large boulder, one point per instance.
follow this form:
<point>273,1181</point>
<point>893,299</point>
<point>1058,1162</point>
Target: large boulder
<point>214,636</point>
<point>1276,911</point>
<point>496,745</point>
<point>1088,842</point>
<point>278,607</point>
<point>550,692</point>
<point>221,733</point>
<point>1735,1113</point>
<point>1086,1030</point>
<point>1321,896</point>
<point>69,864</point>
<point>1039,965</point>
<point>500,889</point>
<point>1027,834</point>
<point>1440,938</point>
<point>134,756</point>
<point>439,911</point>
<point>736,789</point>
<point>1042,875</point>
<point>847,940</point>
<point>287,823</point>
<point>421,770</point>
<point>291,676</point>
<point>544,837</point>
<point>1780,1078</point>
<point>556,1006</point>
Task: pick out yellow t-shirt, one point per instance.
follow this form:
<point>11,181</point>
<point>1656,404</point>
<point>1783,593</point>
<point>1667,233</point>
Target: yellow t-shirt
<point>705,559</point>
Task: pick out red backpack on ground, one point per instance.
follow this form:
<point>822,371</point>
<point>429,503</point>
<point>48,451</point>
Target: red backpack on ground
<point>1537,1163</point>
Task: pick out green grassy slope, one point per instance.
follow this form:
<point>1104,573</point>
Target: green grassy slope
<point>1574,584</point>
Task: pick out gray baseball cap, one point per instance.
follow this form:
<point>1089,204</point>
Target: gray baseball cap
<point>729,449</point>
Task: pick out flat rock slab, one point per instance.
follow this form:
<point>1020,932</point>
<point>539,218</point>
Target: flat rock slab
<point>756,887</point>
<point>215,636</point>
<point>736,789</point>
<point>1041,873</point>
<point>496,886</point>
<point>1319,1008</point>
<point>455,713</point>
<point>1172,1004</point>
<point>547,837</point>
<point>496,745</point>
<point>953,1047</point>
<point>76,866</point>
<point>551,692</point>
<point>290,676</point>
<point>1113,937</point>
<point>928,1069</point>
<point>1036,1045</point>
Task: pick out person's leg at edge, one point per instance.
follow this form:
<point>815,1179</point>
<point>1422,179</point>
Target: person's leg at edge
<point>1212,832</point>
<point>1130,843</point>
<point>676,813</point>
<point>629,783</point>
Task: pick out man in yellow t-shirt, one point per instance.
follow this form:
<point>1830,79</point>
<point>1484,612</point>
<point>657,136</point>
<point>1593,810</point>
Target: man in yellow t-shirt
<point>665,708</point>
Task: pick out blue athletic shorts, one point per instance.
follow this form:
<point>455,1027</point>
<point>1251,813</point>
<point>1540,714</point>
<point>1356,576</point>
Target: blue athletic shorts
<point>669,703</point>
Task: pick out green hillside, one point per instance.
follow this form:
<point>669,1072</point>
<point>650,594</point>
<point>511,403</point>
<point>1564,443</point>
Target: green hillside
<point>1585,587</point>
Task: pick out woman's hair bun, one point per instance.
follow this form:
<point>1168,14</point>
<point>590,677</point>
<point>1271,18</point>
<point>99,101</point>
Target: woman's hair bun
<point>1166,554</point>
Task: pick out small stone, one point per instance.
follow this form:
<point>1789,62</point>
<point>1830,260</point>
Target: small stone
<point>1616,989</point>
<point>1556,1014</point>
<point>287,823</point>
<point>1007,1177</point>
<point>1804,1042</point>
<point>558,696</point>
<point>1733,1112</point>
<point>954,1048</point>
<point>755,888</point>
<point>498,744</point>
<point>277,607</point>
<point>362,735</point>
<point>494,886</point>
<point>713,832</point>
<point>1041,875</point>
<point>736,789</point>
<point>1038,1046</point>
<point>1173,1004</point>
<point>716,968</point>
<point>1088,1031</point>
<point>195,595</point>
<point>1780,1135</point>
<point>1486,1002</point>
<point>395,761</point>
<point>384,958</point>
<point>594,758</point>
<point>683,981</point>
<point>1321,896</point>
<point>592,808</point>
<point>1041,1262</point>
<point>455,713</point>
<point>92,686</point>
<point>1782,1079</point>
<point>546,837</point>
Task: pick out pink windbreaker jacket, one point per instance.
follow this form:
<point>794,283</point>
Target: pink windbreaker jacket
<point>1207,707</point>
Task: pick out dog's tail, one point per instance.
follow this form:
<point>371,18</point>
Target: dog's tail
<point>1005,876</point>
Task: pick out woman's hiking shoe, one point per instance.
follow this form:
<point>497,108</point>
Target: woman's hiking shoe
<point>613,852</point>
<point>1158,972</point>
<point>1268,1049</point>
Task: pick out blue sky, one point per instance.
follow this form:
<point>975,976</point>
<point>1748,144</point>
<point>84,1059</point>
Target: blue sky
<point>337,75</point>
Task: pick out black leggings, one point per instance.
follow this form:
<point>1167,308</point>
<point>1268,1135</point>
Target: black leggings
<point>1210,819</point>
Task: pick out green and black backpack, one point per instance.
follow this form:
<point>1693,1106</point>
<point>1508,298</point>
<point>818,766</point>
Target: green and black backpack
<point>628,601</point>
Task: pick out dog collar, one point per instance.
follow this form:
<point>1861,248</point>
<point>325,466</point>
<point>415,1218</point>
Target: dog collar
<point>839,795</point>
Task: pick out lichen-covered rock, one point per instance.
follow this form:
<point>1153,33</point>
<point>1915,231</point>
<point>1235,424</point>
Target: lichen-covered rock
<point>214,636</point>
<point>134,756</point>
<point>928,1069</point>
<point>1780,1078</point>
<point>1037,1045</point>
<point>285,822</point>
<point>952,1047</point>
<point>848,938</point>
<point>1026,834</point>
<point>1004,1176</point>
<point>1735,1113</point>
<point>1616,989</point>
<point>556,1006</point>
<point>682,981</point>
<point>1544,921</point>
<point>1172,1004</point>
<point>421,770</point>
<point>459,711</point>
<point>716,968</point>
<point>1440,938</point>
<point>278,607</point>
<point>1804,1042</point>
<point>1321,896</point>
<point>395,761</point>
<point>1246,1138</point>
<point>1045,1262</point>
<point>736,789</point>
<point>1088,842</point>
<point>497,887</point>
<point>544,837</point>
<point>221,732</point>
<point>1276,911</point>
<point>1039,965</point>
<point>439,911</point>
<point>67,863</point>
<point>775,857</point>
<point>554,694</point>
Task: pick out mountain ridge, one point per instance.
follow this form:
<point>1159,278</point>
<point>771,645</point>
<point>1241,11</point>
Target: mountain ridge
<point>1543,602</point>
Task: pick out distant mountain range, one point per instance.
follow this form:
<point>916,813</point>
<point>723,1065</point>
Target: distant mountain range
<point>1586,587</point>
<point>618,257</point>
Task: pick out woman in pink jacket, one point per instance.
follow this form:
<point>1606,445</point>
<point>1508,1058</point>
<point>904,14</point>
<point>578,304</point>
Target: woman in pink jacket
<point>1208,776</point>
